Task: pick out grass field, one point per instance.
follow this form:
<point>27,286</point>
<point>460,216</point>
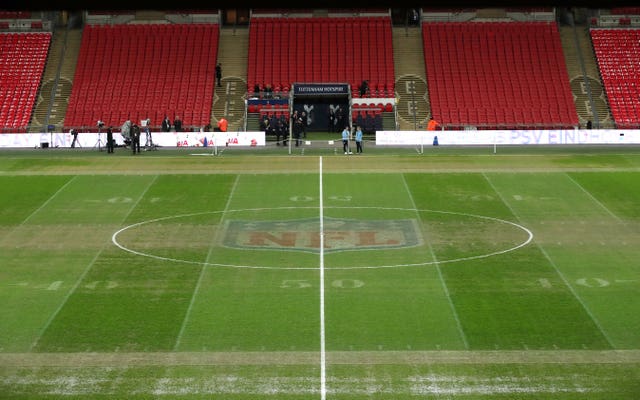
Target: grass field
<point>457,273</point>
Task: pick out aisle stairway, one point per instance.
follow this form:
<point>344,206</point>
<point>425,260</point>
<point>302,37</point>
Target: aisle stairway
<point>65,46</point>
<point>410,81</point>
<point>579,87</point>
<point>228,100</point>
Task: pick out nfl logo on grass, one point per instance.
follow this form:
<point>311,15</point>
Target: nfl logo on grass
<point>339,234</point>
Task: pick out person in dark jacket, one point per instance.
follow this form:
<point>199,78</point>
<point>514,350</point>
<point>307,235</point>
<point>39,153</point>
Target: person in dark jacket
<point>177,123</point>
<point>110,139</point>
<point>135,138</point>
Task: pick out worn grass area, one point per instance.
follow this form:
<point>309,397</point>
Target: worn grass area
<point>455,273</point>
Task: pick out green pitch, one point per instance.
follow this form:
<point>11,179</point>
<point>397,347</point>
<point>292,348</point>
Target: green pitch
<point>257,274</point>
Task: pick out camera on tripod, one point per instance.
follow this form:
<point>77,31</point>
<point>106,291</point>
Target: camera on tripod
<point>100,124</point>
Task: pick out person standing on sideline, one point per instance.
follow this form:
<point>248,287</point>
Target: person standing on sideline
<point>135,138</point>
<point>219,74</point>
<point>177,124</point>
<point>147,131</point>
<point>345,140</point>
<point>433,124</point>
<point>222,125</point>
<point>297,130</point>
<point>166,124</point>
<point>332,119</point>
<point>359,140</point>
<point>109,139</point>
<point>74,133</point>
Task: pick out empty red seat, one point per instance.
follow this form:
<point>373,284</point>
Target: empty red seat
<point>476,60</point>
<point>176,86</point>
<point>616,55</point>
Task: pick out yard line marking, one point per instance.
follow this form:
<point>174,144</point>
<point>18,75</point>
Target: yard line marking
<point>437,265</point>
<point>555,267</point>
<point>323,362</point>
<point>84,273</point>
<point>592,197</point>
<point>43,205</point>
<point>575,294</point>
<point>204,266</point>
<point>48,200</point>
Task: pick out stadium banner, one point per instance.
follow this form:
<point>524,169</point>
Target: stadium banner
<point>233,139</point>
<point>59,139</point>
<point>509,137</point>
<point>383,138</point>
<point>163,139</point>
<point>320,89</point>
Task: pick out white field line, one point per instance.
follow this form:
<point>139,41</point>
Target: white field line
<point>555,267</point>
<point>43,205</point>
<point>592,197</point>
<point>138,224</point>
<point>437,265</point>
<point>204,266</point>
<point>323,355</point>
<point>85,272</point>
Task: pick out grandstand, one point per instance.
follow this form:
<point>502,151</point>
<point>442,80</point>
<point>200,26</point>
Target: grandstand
<point>23,59</point>
<point>509,68</point>
<point>138,71</point>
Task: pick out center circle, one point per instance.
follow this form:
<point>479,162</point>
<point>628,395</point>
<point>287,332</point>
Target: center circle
<point>351,238</point>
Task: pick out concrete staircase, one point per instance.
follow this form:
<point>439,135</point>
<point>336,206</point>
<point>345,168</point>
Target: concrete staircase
<point>587,81</point>
<point>388,121</point>
<point>411,84</point>
<point>63,56</point>
<point>229,100</point>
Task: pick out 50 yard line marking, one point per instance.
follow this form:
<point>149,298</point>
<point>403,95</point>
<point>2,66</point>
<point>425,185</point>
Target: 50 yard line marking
<point>323,363</point>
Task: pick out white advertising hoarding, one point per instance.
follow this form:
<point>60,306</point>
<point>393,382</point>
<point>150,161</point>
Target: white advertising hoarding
<point>164,139</point>
<point>514,137</point>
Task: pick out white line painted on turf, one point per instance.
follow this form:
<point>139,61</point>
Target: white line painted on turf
<point>43,205</point>
<point>114,239</point>
<point>323,362</point>
<point>437,265</point>
<point>592,197</point>
<point>49,200</point>
<point>204,265</point>
<point>84,273</point>
<point>555,267</point>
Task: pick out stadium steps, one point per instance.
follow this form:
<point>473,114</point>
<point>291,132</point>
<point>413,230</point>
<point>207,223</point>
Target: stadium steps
<point>228,100</point>
<point>253,122</point>
<point>597,88</point>
<point>411,83</point>
<point>63,89</point>
<point>577,78</point>
<point>388,121</point>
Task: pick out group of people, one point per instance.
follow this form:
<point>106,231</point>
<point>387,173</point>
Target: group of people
<point>166,124</point>
<point>110,142</point>
<point>336,119</point>
<point>346,137</point>
<point>278,126</point>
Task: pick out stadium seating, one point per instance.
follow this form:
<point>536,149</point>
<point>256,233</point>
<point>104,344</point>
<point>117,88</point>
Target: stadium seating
<point>617,57</point>
<point>144,71</point>
<point>21,66</point>
<point>283,51</point>
<point>498,75</point>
